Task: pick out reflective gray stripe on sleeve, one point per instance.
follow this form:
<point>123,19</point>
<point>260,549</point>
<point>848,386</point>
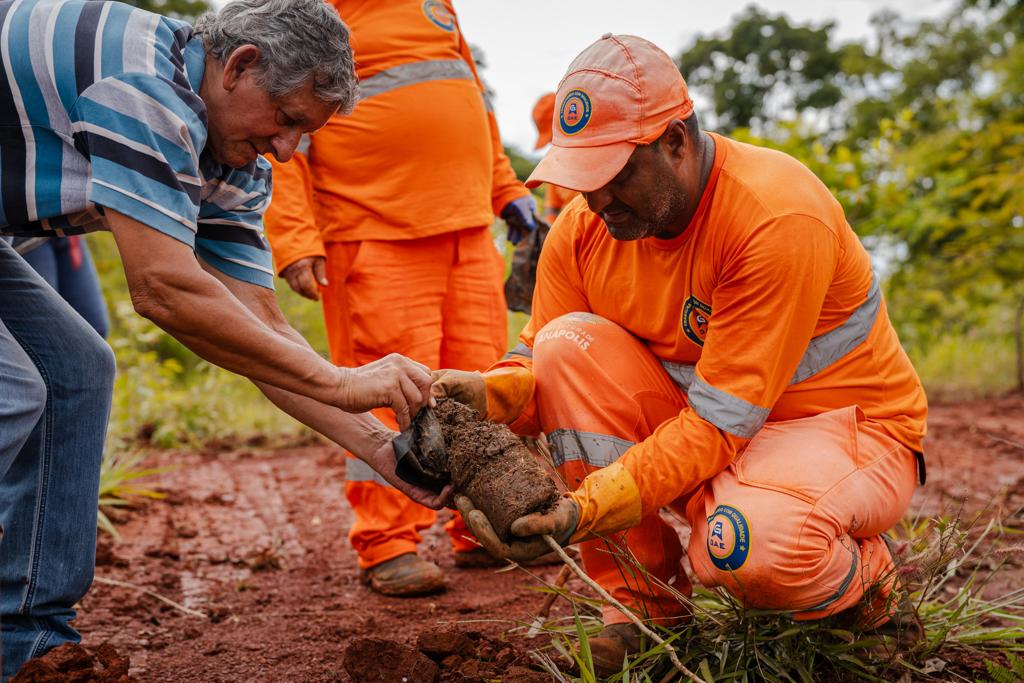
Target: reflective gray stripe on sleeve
<point>725,411</point>
<point>357,470</point>
<point>303,146</point>
<point>521,350</point>
<point>680,373</point>
<point>599,450</point>
<point>842,587</point>
<point>414,72</point>
<point>826,349</point>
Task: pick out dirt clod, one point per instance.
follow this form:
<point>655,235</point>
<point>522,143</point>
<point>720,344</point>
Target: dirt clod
<point>440,644</point>
<point>493,467</point>
<point>368,660</point>
<point>72,663</point>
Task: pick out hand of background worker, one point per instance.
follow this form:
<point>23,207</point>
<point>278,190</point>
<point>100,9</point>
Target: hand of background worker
<point>393,382</point>
<point>306,276</point>
<point>466,387</point>
<point>521,217</point>
<point>559,523</point>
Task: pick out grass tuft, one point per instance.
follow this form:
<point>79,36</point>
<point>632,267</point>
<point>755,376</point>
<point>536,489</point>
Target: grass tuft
<point>947,568</point>
<point>119,483</point>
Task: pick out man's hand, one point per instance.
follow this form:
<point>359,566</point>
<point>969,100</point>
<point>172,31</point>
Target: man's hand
<point>306,276</point>
<point>382,459</point>
<point>465,387</point>
<point>394,381</point>
<point>559,523</point>
<point>521,217</point>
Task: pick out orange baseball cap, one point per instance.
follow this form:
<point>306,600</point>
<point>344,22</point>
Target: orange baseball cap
<point>622,91</point>
<point>543,112</point>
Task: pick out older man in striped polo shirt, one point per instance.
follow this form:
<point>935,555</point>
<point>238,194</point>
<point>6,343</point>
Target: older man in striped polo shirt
<point>115,118</point>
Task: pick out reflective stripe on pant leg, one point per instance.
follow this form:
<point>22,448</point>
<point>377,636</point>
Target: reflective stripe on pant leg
<point>600,391</point>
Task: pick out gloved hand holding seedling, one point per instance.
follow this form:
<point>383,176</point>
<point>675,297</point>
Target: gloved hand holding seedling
<point>488,465</point>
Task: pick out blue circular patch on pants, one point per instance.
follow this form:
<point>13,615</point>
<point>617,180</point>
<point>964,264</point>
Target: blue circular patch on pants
<point>728,538</point>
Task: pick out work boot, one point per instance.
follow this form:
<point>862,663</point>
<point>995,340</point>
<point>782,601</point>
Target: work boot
<point>404,576</point>
<point>610,647</point>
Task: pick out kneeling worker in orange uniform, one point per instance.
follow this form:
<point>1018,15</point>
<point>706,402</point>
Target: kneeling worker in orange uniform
<point>387,213</point>
<point>706,335</point>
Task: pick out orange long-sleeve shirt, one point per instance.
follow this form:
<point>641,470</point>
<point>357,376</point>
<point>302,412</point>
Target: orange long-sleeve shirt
<point>764,308</point>
<point>420,154</point>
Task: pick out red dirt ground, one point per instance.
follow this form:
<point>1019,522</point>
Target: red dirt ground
<point>256,540</point>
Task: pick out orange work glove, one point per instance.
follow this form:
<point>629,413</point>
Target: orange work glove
<point>608,499</point>
<point>498,395</point>
<point>559,523</point>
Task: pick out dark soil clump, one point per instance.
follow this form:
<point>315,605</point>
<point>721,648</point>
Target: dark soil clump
<point>71,663</point>
<point>368,660</point>
<point>455,656</point>
<point>492,466</point>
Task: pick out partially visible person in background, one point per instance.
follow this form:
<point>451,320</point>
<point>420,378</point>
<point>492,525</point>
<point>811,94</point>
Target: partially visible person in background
<point>66,265</point>
<point>386,213</point>
<point>555,197</point>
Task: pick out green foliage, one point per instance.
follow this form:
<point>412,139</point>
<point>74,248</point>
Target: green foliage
<point>922,146</point>
<point>119,483</point>
<point>522,164</point>
<point>182,9</point>
<point>164,395</point>
<point>763,66</point>
<point>726,642</point>
<point>1013,672</point>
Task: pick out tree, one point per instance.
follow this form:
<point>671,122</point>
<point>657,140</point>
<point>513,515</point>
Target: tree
<point>764,68</point>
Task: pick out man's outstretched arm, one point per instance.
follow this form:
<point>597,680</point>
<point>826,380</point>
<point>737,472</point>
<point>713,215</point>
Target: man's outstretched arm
<point>169,287</point>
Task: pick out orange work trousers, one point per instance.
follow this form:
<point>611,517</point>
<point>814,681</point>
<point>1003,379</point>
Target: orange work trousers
<point>792,524</point>
<point>438,300</point>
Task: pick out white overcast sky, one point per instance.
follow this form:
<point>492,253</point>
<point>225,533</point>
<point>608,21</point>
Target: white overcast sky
<point>529,43</point>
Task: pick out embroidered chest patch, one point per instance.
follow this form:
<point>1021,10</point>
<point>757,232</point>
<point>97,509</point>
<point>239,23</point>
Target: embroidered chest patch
<point>696,316</point>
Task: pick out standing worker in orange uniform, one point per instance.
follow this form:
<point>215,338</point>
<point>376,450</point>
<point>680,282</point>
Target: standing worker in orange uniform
<point>555,197</point>
<point>386,213</point>
<point>706,335</point>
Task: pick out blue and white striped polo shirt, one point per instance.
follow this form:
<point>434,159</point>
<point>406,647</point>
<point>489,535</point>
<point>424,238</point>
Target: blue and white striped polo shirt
<point>99,107</point>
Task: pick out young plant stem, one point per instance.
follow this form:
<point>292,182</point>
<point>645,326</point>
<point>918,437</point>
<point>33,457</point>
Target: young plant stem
<point>622,608</point>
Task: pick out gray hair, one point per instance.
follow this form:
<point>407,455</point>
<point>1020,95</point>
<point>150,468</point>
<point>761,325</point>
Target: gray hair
<point>298,40</point>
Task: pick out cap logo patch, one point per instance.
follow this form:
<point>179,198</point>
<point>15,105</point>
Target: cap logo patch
<point>728,538</point>
<point>574,114</point>
<point>439,15</point>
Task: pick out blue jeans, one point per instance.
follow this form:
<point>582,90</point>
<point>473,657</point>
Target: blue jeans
<point>79,286</point>
<point>56,382</point>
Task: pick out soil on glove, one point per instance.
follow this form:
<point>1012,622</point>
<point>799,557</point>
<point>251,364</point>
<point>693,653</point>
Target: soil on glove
<point>493,467</point>
<point>71,663</point>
